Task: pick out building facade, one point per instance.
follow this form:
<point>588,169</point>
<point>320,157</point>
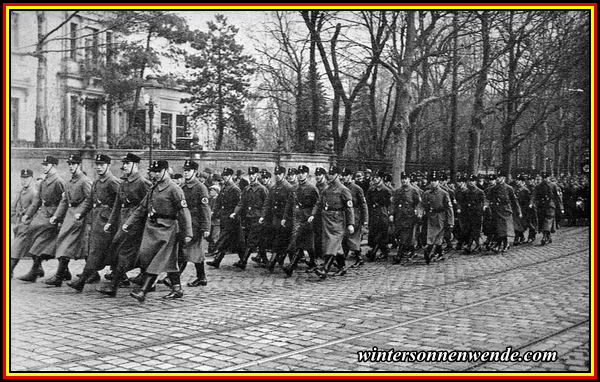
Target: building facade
<point>49,77</point>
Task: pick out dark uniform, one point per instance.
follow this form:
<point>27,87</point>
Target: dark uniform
<point>504,205</point>
<point>546,198</point>
<point>471,210</point>
<point>249,209</point>
<point>337,213</point>
<point>124,248</point>
<point>318,222</point>
<point>100,204</point>
<point>22,240</point>
<point>406,201</point>
<point>298,209</point>
<point>42,232</point>
<point>230,236</point>
<point>161,210</point>
<point>449,233</point>
<point>352,241</point>
<point>521,223</point>
<point>379,199</point>
<point>71,240</point>
<point>273,212</point>
<point>440,214</point>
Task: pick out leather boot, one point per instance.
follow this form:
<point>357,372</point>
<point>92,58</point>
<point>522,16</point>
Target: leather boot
<point>13,264</point>
<point>217,261</point>
<point>93,278</point>
<point>276,259</point>
<point>35,271</point>
<point>439,253</point>
<point>140,294</point>
<point>200,276</point>
<point>243,260</point>
<point>111,289</point>
<point>341,264</point>
<point>322,273</point>
<point>176,292</point>
<point>80,283</point>
<point>398,258</point>
<point>359,260</point>
<point>139,279</point>
<point>59,276</point>
<point>427,253</point>
<point>289,270</point>
<point>372,253</point>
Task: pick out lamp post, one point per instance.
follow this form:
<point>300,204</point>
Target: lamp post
<point>150,103</point>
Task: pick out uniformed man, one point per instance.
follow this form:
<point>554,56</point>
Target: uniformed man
<point>298,209</point>
<point>261,258</point>
<point>215,222</point>
<point>240,181</point>
<point>273,214</point>
<point>161,210</point>
<point>546,198</point>
<point>178,179</point>
<point>321,185</point>
<point>504,205</point>
<point>265,179</point>
<point>489,223</point>
<point>523,196</point>
<point>379,199</point>
<point>71,240</point>
<point>406,207</point>
<point>337,214</point>
<point>448,232</point>
<point>249,210</point>
<point>439,214</point>
<point>352,242</point>
<point>22,240</point>
<point>100,204</point>
<point>196,197</point>
<point>292,177</point>
<point>230,237</point>
<point>125,245</point>
<point>42,231</point>
<point>471,210</point>
<point>461,194</point>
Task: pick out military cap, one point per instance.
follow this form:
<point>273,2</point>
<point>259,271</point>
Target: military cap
<point>388,177</point>
<point>177,176</point>
<point>303,169</point>
<point>347,171</point>
<point>413,177</point>
<point>264,173</point>
<point>279,170</point>
<point>253,170</point>
<point>101,158</point>
<point>502,173</point>
<point>26,173</point>
<point>217,177</point>
<point>335,170</point>
<point>292,171</point>
<point>545,174</point>
<point>404,175</point>
<point>208,170</point>
<point>320,171</point>
<point>227,171</point>
<point>190,165</point>
<point>492,177</point>
<point>434,176</point>
<point>462,178</point>
<point>521,177</point>
<point>473,178</point>
<point>239,173</point>
<point>368,171</point>
<point>158,165</point>
<point>379,174</point>
<point>131,158</point>
<point>48,159</point>
<point>74,158</point>
<point>443,176</point>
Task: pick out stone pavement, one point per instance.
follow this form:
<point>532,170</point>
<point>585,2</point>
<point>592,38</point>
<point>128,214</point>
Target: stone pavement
<point>531,298</point>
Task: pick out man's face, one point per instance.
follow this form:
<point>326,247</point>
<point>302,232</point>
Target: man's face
<point>127,167</point>
<point>435,183</point>
<point>101,168</point>
<point>376,180</point>
<point>405,181</point>
<point>302,176</point>
<point>473,183</point>
<point>73,167</point>
<point>212,193</point>
<point>320,178</point>
<point>359,177</point>
<point>291,178</point>
<point>189,174</point>
<point>253,177</point>
<point>25,182</point>
<point>538,179</point>
<point>46,167</point>
<point>279,177</point>
<point>333,177</point>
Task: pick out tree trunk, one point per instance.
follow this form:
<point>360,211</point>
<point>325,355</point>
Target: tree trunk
<point>454,102</point>
<point>41,109</point>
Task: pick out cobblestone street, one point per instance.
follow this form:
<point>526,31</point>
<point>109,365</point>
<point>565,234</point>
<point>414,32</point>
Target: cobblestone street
<point>531,298</point>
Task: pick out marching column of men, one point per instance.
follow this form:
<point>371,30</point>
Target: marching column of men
<point>159,226</point>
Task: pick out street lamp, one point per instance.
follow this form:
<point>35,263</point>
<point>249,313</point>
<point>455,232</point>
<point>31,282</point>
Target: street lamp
<point>150,103</point>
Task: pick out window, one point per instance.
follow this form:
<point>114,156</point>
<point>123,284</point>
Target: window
<point>75,125</point>
<point>73,52</point>
<point>180,125</point>
<point>109,47</point>
<point>95,51</point>
<point>14,119</point>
